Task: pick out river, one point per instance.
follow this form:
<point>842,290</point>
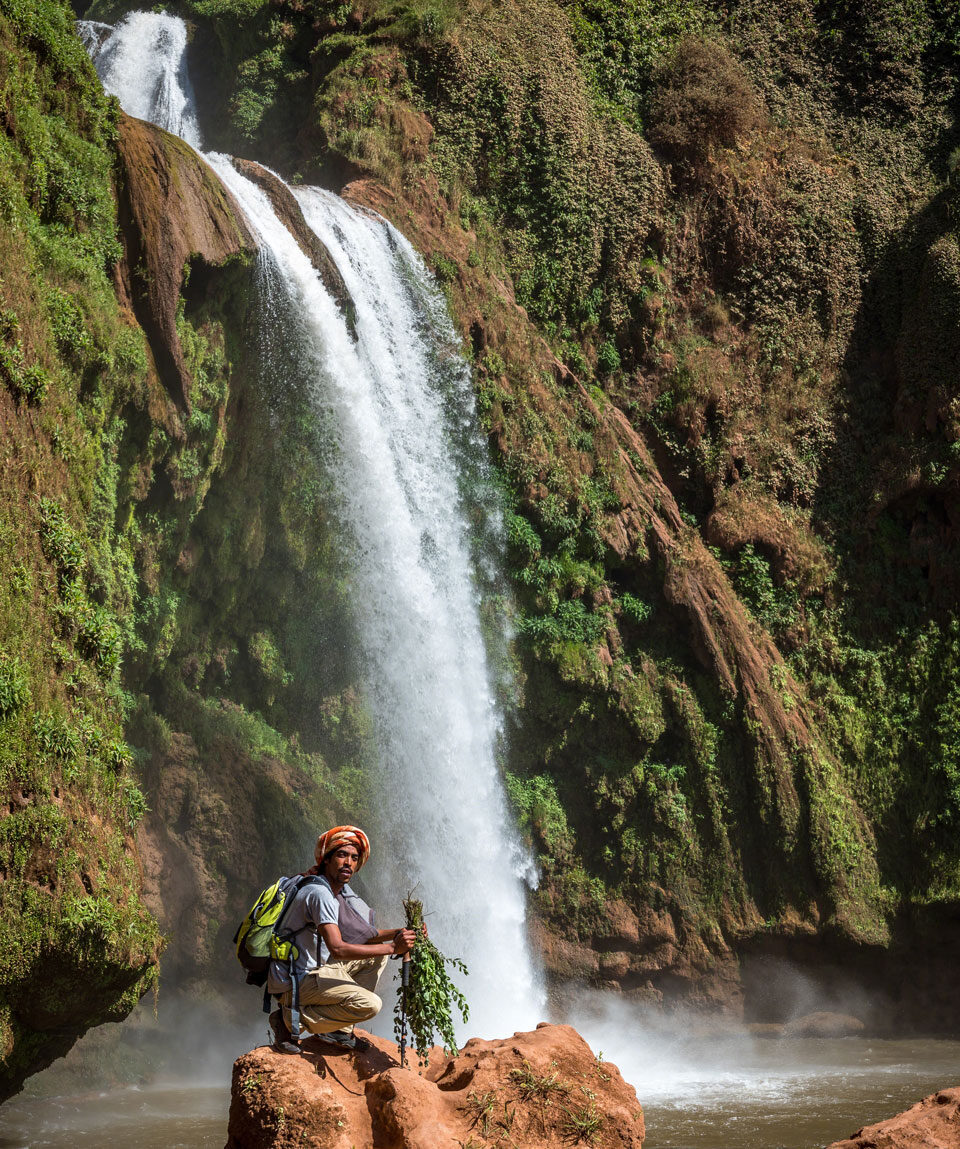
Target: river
<point>734,1092</point>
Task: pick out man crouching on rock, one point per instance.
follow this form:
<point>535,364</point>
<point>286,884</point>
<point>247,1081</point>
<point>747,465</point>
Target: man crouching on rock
<point>342,954</point>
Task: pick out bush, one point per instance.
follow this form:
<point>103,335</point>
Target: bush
<point>55,738</point>
<point>59,541</point>
<point>703,100</point>
<point>28,383</point>
<point>14,687</point>
<point>99,639</point>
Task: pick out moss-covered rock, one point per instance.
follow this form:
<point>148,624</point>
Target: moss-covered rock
<point>708,273</point>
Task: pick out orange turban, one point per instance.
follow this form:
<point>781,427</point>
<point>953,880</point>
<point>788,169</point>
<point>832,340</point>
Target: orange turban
<point>343,836</point>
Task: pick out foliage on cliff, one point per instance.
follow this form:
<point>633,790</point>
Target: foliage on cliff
<point>143,599</point>
<point>735,228</point>
<point>76,944</point>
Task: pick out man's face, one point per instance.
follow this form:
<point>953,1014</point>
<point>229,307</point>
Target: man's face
<point>341,865</point>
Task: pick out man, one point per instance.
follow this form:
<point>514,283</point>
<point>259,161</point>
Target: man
<point>341,952</point>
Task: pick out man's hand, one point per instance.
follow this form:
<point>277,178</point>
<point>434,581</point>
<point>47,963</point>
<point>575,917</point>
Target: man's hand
<point>404,941</point>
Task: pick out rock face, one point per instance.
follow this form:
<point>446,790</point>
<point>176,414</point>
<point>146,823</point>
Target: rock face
<point>933,1123</point>
<point>173,208</point>
<point>201,827</point>
<point>533,1090</point>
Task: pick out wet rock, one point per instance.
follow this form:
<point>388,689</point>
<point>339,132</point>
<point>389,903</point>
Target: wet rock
<point>173,210</point>
<point>933,1123</point>
<point>772,1029</point>
<point>210,817</point>
<point>543,1090</point>
<point>290,215</point>
<point>823,1024</point>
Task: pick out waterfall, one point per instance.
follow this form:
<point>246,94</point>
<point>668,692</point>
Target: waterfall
<point>143,62</point>
<point>402,446</point>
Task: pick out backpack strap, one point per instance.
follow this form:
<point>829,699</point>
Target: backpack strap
<point>294,1002</point>
<point>306,880</point>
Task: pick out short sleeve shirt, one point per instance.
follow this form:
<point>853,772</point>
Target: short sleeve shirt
<point>314,906</point>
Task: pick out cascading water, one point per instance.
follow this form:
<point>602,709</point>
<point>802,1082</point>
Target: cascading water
<point>143,63</point>
<point>396,405</point>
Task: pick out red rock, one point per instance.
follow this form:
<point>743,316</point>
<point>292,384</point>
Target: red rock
<point>933,1123</point>
<point>173,210</point>
<point>328,1099</point>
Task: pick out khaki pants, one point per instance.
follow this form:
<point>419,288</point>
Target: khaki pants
<point>338,995</point>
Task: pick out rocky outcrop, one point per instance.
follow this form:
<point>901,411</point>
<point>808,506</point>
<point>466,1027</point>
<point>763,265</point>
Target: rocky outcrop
<point>173,209</point>
<point>933,1123</point>
<point>823,1023</point>
<point>537,1090</point>
<point>289,213</point>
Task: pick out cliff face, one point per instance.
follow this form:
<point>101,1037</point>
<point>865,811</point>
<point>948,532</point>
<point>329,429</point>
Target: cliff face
<point>118,392</point>
<point>708,272</point>
<point>77,945</point>
<point>706,268</point>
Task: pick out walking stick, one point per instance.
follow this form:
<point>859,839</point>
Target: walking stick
<point>404,983</point>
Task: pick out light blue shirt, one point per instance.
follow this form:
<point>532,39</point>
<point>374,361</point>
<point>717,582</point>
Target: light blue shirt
<point>314,906</point>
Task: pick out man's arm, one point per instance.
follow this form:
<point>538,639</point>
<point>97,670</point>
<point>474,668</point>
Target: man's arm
<point>386,942</point>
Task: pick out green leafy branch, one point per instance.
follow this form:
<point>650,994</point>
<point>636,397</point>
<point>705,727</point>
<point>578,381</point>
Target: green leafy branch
<point>431,995</point>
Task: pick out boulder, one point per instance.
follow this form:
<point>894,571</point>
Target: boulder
<point>542,1090</point>
<point>933,1123</point>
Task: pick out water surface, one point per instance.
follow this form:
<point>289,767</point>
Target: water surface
<point>735,1093</point>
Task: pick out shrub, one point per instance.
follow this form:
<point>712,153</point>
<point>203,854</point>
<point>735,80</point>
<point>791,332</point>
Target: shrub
<point>703,100</point>
<point>135,802</point>
<point>14,687</point>
<point>54,737</point>
<point>444,268</point>
<point>28,383</point>
<point>99,639</point>
<point>59,541</point>
<point>635,608</point>
<point>608,358</point>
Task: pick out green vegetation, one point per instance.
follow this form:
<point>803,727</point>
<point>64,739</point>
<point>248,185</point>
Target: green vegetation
<point>142,596</point>
<point>74,374</point>
<point>688,205</point>
<point>733,233</point>
<point>431,996</point>
<point>583,1122</point>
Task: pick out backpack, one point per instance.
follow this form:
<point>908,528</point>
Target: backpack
<point>257,938</point>
<point>260,939</point>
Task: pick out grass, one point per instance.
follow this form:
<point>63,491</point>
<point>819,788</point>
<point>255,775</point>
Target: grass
<point>582,1123</point>
<point>480,1108</point>
<point>532,1086</point>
